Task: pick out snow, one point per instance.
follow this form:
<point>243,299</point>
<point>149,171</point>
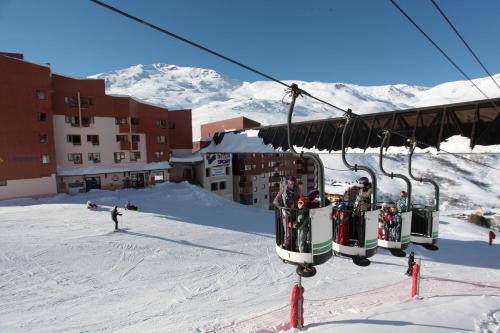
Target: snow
<point>191,261</point>
<point>243,142</point>
<point>213,97</point>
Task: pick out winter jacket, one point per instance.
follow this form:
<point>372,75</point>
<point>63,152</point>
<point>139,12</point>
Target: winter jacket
<point>401,205</point>
<point>115,214</point>
<point>363,200</point>
<point>286,197</point>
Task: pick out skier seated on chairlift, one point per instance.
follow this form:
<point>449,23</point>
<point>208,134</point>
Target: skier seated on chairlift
<point>363,199</point>
<point>303,225</point>
<point>383,217</point>
<point>91,205</point>
<point>286,198</point>
<point>397,220</point>
<point>129,206</point>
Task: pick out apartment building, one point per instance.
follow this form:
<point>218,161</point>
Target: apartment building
<point>27,151</point>
<point>83,138</point>
<point>241,168</point>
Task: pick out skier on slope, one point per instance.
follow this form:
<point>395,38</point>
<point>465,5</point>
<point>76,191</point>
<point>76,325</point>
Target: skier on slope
<point>114,216</point>
<point>491,237</point>
<point>411,262</point>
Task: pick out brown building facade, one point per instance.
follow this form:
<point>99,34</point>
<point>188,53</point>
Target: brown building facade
<point>209,129</point>
<point>27,149</point>
<point>70,127</point>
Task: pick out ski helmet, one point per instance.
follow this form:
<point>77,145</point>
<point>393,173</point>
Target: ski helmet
<point>302,202</point>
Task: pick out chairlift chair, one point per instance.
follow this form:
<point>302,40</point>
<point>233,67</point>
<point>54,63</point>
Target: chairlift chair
<point>364,244</point>
<point>401,240</point>
<point>319,249</point>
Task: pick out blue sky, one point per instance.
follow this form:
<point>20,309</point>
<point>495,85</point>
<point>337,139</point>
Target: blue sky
<point>353,41</point>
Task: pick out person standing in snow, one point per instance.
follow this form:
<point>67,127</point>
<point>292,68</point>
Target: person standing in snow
<point>491,236</point>
<point>114,216</point>
<point>285,201</point>
<point>411,262</point>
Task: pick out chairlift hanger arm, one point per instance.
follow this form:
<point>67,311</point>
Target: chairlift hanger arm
<point>385,141</point>
<point>420,179</point>
<point>296,92</point>
<point>358,167</point>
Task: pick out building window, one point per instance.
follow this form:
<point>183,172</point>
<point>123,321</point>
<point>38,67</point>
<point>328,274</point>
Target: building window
<point>158,156</point>
<point>135,155</point>
<point>136,138</point>
<point>73,120</point>
<point>119,156</point>
<point>40,95</point>
<point>121,121</point>
<point>45,159</point>
<point>75,158</point>
<point>95,157</point>
<point>207,172</point>
<point>255,200</point>
<point>228,171</point>
<point>134,121</point>
<point>222,185</point>
<point>42,116</point>
<point>162,123</point>
<point>121,138</point>
<point>43,138</point>
<point>213,186</point>
<point>75,139</point>
<point>73,101</point>
<point>161,139</point>
<point>86,121</point>
<point>3,183</point>
<point>255,189</point>
<point>171,125</point>
<point>94,139</point>
<point>263,186</point>
<point>85,102</point>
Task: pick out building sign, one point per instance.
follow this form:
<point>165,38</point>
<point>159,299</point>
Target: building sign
<point>216,172</point>
<point>218,159</point>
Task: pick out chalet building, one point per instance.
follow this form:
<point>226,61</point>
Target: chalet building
<point>67,135</point>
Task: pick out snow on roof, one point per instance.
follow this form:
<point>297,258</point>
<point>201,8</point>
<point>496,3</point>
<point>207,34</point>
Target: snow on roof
<point>242,142</point>
<point>94,170</point>
<point>195,157</point>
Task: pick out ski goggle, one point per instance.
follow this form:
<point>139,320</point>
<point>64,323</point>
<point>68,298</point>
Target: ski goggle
<point>300,203</point>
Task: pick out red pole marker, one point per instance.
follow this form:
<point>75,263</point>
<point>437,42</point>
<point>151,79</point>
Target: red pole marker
<point>414,280</point>
<point>297,300</point>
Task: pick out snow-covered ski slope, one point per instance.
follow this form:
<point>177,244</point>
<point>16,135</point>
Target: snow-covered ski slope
<point>190,261</point>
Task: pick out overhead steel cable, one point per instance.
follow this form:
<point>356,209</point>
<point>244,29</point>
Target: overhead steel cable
<point>206,49</point>
<point>441,50</point>
<point>220,55</point>
<point>463,41</point>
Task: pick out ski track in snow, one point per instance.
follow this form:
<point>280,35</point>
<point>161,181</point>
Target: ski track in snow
<point>325,310</point>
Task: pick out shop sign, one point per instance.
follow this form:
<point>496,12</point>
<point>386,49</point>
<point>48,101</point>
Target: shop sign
<point>218,159</point>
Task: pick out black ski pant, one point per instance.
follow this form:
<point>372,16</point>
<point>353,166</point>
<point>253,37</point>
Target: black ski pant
<point>116,223</point>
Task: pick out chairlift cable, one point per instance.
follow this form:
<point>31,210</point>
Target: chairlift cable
<point>463,41</point>
<point>220,55</point>
<point>441,51</point>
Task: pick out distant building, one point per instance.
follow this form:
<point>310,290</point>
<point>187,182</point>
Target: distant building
<point>241,168</point>
<point>209,129</point>
<point>63,134</point>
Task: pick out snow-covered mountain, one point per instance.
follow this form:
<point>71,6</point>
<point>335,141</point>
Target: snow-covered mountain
<point>213,96</point>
